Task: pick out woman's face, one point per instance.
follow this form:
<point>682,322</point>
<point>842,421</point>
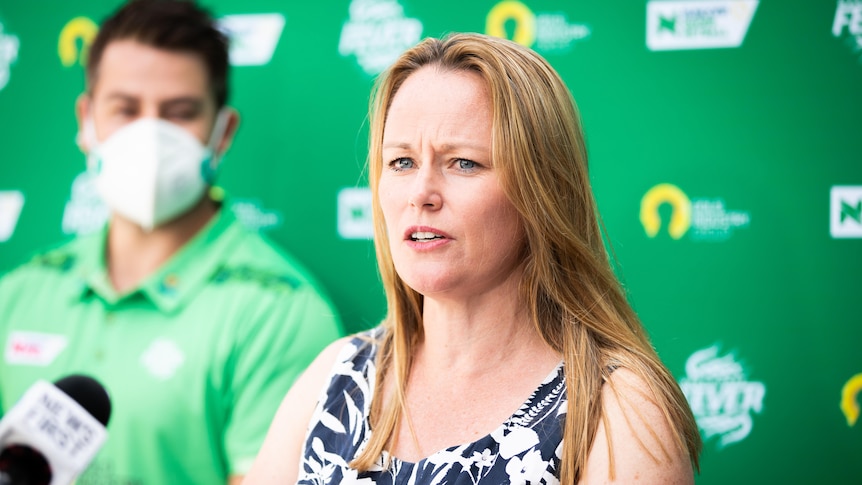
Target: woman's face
<point>452,231</point>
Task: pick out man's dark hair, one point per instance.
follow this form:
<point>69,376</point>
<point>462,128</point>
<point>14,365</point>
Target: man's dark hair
<point>173,25</point>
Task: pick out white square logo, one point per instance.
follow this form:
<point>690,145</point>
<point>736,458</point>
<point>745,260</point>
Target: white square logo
<point>698,24</point>
<point>354,213</point>
<point>11,203</point>
<point>845,211</point>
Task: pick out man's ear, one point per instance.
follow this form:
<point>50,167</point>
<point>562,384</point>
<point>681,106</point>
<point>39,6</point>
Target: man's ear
<point>231,125</point>
<point>82,114</point>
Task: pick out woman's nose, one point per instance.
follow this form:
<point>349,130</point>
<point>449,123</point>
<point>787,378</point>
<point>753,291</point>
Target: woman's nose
<point>426,189</point>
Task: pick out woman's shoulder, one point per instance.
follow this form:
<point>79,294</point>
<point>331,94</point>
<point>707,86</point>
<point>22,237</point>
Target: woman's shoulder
<point>358,350</point>
<point>346,364</point>
<point>638,432</point>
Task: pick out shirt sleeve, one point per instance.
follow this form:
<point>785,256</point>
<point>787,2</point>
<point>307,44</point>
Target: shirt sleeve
<point>278,343</point>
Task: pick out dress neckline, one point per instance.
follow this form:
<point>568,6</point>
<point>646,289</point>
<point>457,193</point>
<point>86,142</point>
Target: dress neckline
<point>554,378</point>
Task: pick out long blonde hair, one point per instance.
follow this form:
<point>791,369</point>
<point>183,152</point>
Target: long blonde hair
<point>576,301</point>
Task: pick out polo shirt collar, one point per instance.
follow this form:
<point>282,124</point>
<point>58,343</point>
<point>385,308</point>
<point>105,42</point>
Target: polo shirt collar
<point>173,284</point>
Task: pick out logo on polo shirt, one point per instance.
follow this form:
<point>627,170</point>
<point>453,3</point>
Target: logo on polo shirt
<point>376,33</point>
<point>163,358</point>
<point>845,214</point>
<point>721,397</point>
<point>675,25</point>
<point>34,348</point>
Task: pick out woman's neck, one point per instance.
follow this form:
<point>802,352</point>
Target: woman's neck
<point>488,331</point>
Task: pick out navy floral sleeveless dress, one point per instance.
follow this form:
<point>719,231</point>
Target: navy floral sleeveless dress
<point>525,449</point>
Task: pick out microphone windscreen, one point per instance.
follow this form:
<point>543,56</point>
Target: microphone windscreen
<point>87,392</point>
<point>21,464</point>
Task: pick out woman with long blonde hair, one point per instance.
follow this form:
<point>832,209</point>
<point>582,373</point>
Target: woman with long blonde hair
<point>509,353</point>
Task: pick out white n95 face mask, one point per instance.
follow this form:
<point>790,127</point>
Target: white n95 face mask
<point>151,171</point>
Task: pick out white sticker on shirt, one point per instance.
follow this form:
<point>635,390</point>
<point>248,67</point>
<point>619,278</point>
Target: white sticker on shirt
<point>162,358</point>
<point>34,348</point>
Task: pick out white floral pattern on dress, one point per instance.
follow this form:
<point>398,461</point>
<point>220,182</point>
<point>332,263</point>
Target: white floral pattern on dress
<point>524,450</point>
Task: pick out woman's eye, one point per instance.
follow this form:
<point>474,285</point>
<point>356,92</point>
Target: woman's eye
<point>467,164</point>
<point>401,164</point>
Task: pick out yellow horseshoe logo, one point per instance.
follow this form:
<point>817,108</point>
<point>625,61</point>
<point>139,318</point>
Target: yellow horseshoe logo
<point>525,22</point>
<point>848,399</point>
<point>77,28</point>
<point>680,219</point>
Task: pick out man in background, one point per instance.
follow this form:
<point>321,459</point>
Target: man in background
<point>196,327</point>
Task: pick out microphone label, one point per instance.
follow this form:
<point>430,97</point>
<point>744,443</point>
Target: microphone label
<point>48,420</point>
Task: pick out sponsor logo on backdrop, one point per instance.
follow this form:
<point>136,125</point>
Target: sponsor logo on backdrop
<point>84,212</point>
<point>354,213</point>
<point>546,32</point>
<point>675,25</point>
<point>721,396</point>
<point>704,219</point>
<point>376,33</point>
<point>845,211</point>
<point>75,40</point>
<point>252,214</point>
<point>8,55</point>
<point>253,37</point>
<point>11,203</point>
<point>849,399</point>
<point>848,24</point>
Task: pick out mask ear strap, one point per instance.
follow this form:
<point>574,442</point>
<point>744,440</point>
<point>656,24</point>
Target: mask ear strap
<point>211,165</point>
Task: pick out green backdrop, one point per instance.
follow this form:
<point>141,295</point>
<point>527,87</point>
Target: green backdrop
<point>724,139</point>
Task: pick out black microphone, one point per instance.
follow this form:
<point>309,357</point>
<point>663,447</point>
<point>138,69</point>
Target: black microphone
<point>53,432</point>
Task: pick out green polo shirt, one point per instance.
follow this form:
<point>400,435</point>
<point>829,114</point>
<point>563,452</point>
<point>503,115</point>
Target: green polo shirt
<point>196,360</point>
